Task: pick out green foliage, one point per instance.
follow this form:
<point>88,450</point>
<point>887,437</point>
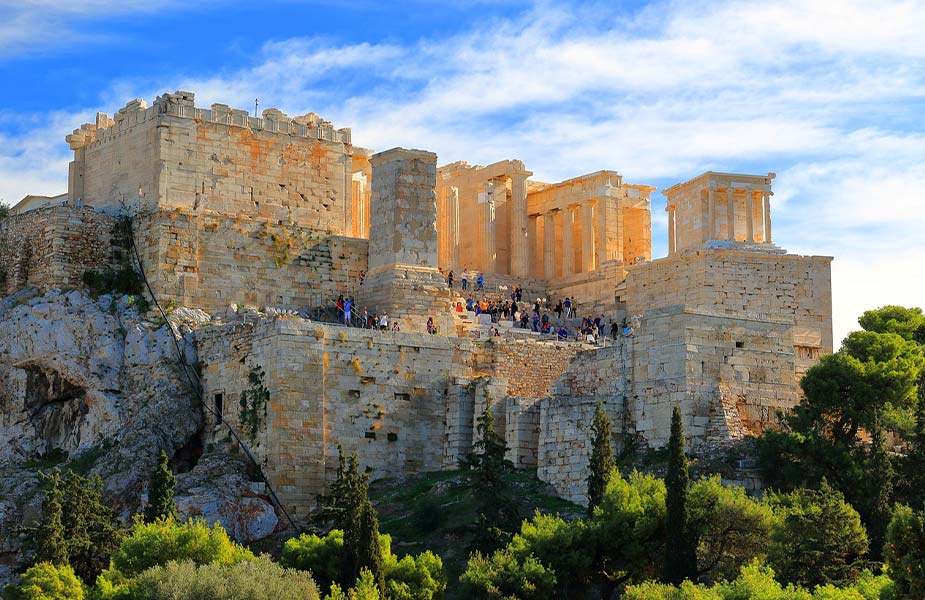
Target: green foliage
<point>906,322</point>
<point>418,577</point>
<point>818,540</point>
<point>911,484</point>
<point>124,281</point>
<point>165,540</point>
<point>364,588</point>
<point>905,552</point>
<point>602,462</point>
<point>160,492</point>
<point>730,529</point>
<point>4,210</point>
<point>45,581</point>
<point>504,575</point>
<point>487,467</point>
<point>680,547</point>
<point>255,579</point>
<point>78,530</point>
<point>253,406</point>
<point>879,494</point>
<point>52,544</point>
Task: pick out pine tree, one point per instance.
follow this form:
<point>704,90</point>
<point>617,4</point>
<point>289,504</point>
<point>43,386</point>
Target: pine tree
<point>52,544</point>
<point>602,462</point>
<point>680,549</point>
<point>487,466</point>
<point>160,492</point>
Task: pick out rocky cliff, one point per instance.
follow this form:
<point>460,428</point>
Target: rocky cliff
<point>93,385</point>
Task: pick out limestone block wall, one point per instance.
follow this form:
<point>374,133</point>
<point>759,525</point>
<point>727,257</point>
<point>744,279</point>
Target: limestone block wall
<point>382,395</point>
<point>758,284</point>
<point>208,260</point>
<point>529,368</point>
<point>176,155</point>
<point>53,247</point>
<point>522,431</point>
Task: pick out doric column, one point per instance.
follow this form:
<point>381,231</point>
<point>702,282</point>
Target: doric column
<point>671,230</point>
<point>519,245</point>
<point>766,201</point>
<point>454,228</point>
<point>608,244</point>
<point>549,246</point>
<point>489,250</point>
<point>711,211</point>
<point>749,216</point>
<point>533,266</point>
<point>568,248</point>
<point>731,213</point>
<point>587,237</point>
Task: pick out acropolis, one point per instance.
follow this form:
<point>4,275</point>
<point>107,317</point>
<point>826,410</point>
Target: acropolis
<point>263,222</point>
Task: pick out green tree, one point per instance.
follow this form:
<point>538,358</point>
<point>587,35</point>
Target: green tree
<point>505,575</point>
<point>51,537</point>
<point>905,552</point>
<point>92,531</point>
<point>818,539</point>
<point>680,548</point>
<point>160,492</point>
<point>878,507</point>
<point>487,468</point>
<point>906,322</point>
<point>730,529</point>
<point>911,485</point>
<point>369,552</point>
<point>602,462</point>
<point>45,581</point>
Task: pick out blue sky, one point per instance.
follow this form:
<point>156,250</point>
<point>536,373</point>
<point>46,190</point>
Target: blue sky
<point>829,95</point>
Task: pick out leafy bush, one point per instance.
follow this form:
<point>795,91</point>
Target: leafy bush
<point>165,540</point>
<point>504,575</point>
<point>46,581</point>
<point>418,577</point>
<point>255,579</point>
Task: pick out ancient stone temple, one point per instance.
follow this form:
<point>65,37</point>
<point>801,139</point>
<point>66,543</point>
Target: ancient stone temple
<point>283,215</point>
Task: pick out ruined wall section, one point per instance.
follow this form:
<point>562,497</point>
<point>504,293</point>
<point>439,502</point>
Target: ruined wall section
<point>382,395</point>
<point>209,260</point>
<point>53,247</point>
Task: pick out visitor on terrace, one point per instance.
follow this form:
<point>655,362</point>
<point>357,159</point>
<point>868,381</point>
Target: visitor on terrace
<point>449,279</point>
<point>431,328</point>
<point>465,279</point>
<point>563,333</point>
<point>348,306</point>
<point>384,322</point>
<point>568,308</point>
<point>480,282</point>
<point>558,310</point>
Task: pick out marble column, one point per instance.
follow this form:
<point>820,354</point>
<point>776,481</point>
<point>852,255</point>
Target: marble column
<point>749,216</point>
<point>533,263</point>
<point>568,248</point>
<point>454,229</point>
<point>730,214</point>
<point>671,230</point>
<point>587,237</point>
<point>549,246</point>
<point>489,249</point>
<point>766,205</point>
<point>518,241</point>
<point>711,212</point>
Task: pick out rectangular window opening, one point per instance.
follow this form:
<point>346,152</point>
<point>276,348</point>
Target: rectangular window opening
<point>219,407</point>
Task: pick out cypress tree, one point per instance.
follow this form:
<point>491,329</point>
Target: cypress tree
<point>495,503</point>
<point>160,492</point>
<point>91,528</point>
<point>602,462</point>
<point>369,552</point>
<point>680,549</point>
<point>51,541</point>
<point>880,472</point>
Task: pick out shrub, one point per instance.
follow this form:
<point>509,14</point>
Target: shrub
<point>504,575</point>
<point>45,581</point>
<point>905,552</point>
<point>165,540</point>
<point>255,579</point>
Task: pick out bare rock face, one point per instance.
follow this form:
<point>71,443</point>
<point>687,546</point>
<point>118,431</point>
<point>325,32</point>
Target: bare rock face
<point>92,385</point>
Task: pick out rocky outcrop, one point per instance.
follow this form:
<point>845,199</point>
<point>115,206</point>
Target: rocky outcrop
<point>92,384</point>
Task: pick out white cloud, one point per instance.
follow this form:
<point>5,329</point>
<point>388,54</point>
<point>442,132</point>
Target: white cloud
<point>810,89</point>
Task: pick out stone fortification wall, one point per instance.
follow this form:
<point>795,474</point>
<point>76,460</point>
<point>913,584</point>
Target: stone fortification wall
<point>564,435</point>
<point>738,283</point>
<point>53,247</point>
<point>382,395</point>
<point>530,368</point>
<point>209,260</point>
<point>176,155</point>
